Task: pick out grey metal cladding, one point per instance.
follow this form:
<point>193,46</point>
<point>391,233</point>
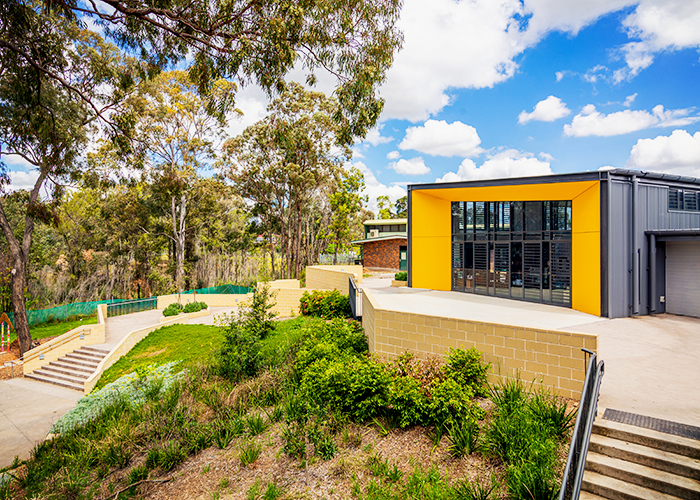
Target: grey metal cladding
<point>619,263</point>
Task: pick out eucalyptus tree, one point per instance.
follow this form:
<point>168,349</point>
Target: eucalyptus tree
<point>53,75</point>
<point>285,163</point>
<point>346,204</point>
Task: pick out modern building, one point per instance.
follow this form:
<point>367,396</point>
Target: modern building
<point>384,244</point>
<point>612,243</point>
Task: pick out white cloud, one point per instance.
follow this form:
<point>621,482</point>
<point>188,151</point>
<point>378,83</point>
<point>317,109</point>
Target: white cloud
<point>252,102</point>
<point>439,138</point>
<point>656,26</point>
<point>374,188</point>
<point>414,166</point>
<point>629,100</point>
<point>509,163</point>
<point>550,109</point>
<point>393,155</point>
<point>678,153</point>
<point>592,122</point>
<point>546,156</point>
<point>22,180</point>
<point>375,137</point>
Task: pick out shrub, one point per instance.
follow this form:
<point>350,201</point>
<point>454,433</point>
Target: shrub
<point>551,412</point>
<point>258,317</point>
<point>401,276</point>
<point>172,310</point>
<point>407,403</point>
<point>250,451</point>
<point>240,354</point>
<point>466,368</point>
<point>194,307</point>
<point>451,403</point>
<point>464,438</point>
<point>325,304</point>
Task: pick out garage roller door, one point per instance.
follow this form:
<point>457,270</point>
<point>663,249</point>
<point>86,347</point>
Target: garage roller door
<point>683,278</point>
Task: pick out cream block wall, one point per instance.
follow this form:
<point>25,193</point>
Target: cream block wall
<point>332,277</point>
<point>212,300</point>
<point>66,343</point>
<point>551,357</point>
<point>287,301</point>
<point>282,283</point>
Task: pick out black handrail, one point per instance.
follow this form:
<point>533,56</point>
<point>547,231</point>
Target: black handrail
<point>355,308</point>
<point>587,409</point>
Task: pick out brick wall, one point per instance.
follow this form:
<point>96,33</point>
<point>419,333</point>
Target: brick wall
<point>383,253</point>
<point>548,356</point>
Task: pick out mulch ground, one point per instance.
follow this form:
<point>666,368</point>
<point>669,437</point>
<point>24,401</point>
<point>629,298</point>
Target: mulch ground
<point>7,372</point>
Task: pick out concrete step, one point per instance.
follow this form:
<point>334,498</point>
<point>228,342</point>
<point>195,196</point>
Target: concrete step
<point>80,360</point>
<point>614,489</point>
<point>62,371</point>
<point>647,437</point>
<point>643,455</point>
<point>585,495</point>
<point>96,350</point>
<point>59,376</point>
<point>67,364</point>
<point>50,380</point>
<point>90,356</point>
<point>641,475</point>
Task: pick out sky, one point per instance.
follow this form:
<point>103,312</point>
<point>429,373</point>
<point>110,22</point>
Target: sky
<point>501,88</point>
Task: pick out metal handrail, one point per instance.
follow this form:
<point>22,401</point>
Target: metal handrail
<point>588,407</point>
<point>355,308</point>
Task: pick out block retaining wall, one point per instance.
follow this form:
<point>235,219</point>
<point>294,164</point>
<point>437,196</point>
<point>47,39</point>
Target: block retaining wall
<point>332,277</point>
<point>551,357</point>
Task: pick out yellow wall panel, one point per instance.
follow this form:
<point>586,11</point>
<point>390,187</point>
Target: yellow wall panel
<point>431,232</point>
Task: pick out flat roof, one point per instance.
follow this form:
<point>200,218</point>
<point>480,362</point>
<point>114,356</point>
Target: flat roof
<point>380,238</point>
<point>384,222</point>
<point>596,175</point>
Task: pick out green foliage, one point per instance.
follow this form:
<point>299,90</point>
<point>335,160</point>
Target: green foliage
<point>191,307</point>
<point>259,317</point>
<point>250,451</point>
<point>551,411</point>
<point>452,402</point>
<point>255,424</point>
<point>480,489</point>
<point>173,309</point>
<point>401,276</point>
<point>466,368</point>
<point>463,437</point>
<point>408,405</point>
<point>325,304</point>
<point>531,481</point>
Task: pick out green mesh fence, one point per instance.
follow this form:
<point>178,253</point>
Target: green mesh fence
<point>62,313</point>
<point>220,289</point>
<point>131,306</point>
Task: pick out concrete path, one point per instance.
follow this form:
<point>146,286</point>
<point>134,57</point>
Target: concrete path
<point>652,365</point>
<point>29,408</point>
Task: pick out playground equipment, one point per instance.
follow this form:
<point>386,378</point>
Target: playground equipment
<point>5,328</point>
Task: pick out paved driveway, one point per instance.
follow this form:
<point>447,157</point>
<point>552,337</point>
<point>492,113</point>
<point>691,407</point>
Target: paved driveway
<point>652,365</point>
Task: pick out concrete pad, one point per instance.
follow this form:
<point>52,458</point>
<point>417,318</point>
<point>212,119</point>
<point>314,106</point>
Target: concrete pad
<point>652,365</point>
<point>481,308</point>
<point>28,409</point>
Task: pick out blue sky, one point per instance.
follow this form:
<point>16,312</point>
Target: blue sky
<point>498,88</point>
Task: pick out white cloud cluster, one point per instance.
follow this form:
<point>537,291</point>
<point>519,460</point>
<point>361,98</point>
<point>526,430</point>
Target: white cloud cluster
<point>414,166</point>
<point>592,122</point>
<point>509,163</point>
<point>439,138</point>
<point>393,155</point>
<point>375,137</point>
<point>374,188</point>
<point>678,153</point>
<point>550,109</point>
<point>22,180</point>
<point>657,26</point>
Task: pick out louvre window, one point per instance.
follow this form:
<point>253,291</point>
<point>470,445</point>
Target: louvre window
<point>683,199</point>
<point>519,249</point>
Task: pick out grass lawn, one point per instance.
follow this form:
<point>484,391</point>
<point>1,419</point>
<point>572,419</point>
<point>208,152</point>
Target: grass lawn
<point>55,329</point>
<point>170,343</point>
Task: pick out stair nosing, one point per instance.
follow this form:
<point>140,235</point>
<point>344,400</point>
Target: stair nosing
<point>661,441</point>
<point>67,378</point>
<point>64,371</point>
<point>639,492</point>
<point>61,383</point>
<point>70,366</point>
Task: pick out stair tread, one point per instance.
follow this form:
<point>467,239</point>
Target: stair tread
<point>67,378</point>
<point>670,460</point>
<point>39,378</point>
<point>94,349</point>
<point>587,495</point>
<point>63,371</point>
<point>85,355</point>
<point>592,479</point>
<point>659,440</point>
<point>70,366</point>
<point>649,473</point>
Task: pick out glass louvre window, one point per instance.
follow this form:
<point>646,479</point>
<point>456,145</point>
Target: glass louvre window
<point>684,199</point>
<point>515,249</point>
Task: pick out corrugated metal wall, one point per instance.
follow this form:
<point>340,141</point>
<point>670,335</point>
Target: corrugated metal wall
<point>652,214</point>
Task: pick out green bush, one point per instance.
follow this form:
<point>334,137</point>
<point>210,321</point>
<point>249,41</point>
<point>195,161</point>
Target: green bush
<point>258,317</point>
<point>466,368</point>
<point>240,354</point>
<point>452,402</point>
<point>172,310</point>
<point>401,276</point>
<point>194,307</point>
<point>407,403</point>
<point>325,304</point>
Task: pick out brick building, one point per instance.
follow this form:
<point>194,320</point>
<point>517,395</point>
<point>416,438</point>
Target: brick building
<point>385,244</point>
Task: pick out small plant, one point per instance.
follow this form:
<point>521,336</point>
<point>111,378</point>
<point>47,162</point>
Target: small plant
<point>294,437</point>
<point>276,414</point>
<point>466,368</point>
<point>172,310</point>
<point>464,438</point>
<point>255,424</point>
<point>551,412</point>
<point>326,447</point>
<point>325,304</point>
<point>223,484</point>
<point>531,482</point>
<point>225,431</point>
<point>509,395</point>
<point>250,451</point>
<point>273,492</point>
<point>137,474</point>
<point>116,455</point>
<point>476,490</point>
<point>194,307</point>
<point>169,457</point>
<point>401,276</point>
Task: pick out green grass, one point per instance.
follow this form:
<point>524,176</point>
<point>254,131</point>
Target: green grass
<point>56,329</point>
<point>188,343</point>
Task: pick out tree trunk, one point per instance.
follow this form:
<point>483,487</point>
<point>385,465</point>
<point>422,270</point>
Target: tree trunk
<point>272,257</point>
<point>179,237</point>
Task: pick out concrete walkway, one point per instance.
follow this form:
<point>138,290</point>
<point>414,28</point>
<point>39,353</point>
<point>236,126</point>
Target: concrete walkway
<point>29,408</point>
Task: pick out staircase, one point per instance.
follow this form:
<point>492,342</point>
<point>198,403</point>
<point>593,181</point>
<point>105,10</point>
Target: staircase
<point>72,370</point>
<point>626,462</point>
